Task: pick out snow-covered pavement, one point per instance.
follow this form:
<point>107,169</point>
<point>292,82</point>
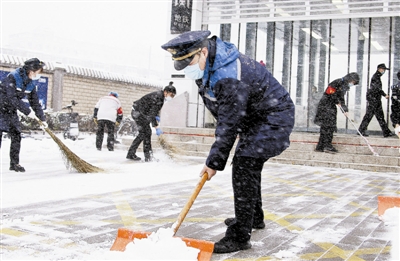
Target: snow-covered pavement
<point>50,213</point>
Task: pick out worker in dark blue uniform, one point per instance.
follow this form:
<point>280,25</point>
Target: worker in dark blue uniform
<point>146,110</point>
<point>247,102</point>
<point>18,85</point>
<point>326,115</point>
<point>374,106</point>
<point>395,107</point>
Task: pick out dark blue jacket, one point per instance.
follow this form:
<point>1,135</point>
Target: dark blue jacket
<point>13,89</point>
<point>327,110</point>
<point>395,114</point>
<point>246,100</point>
<point>149,106</point>
<point>375,92</point>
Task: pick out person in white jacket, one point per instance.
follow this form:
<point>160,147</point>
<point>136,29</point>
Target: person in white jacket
<point>107,113</point>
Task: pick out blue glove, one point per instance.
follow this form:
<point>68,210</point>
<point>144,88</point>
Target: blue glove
<point>159,131</point>
<point>158,118</point>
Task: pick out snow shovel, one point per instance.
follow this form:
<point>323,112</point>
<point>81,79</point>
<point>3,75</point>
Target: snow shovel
<point>125,236</point>
<point>385,202</point>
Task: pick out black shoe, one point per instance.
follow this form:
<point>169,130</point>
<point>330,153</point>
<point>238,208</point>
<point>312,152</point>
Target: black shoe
<point>231,221</point>
<point>110,149</point>
<point>388,135</point>
<point>319,150</point>
<point>150,159</point>
<point>228,245</point>
<point>99,149</point>
<point>17,168</point>
<point>331,150</point>
<point>363,134</point>
<point>134,157</point>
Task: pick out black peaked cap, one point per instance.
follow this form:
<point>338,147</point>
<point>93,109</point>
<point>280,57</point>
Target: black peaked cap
<point>184,46</point>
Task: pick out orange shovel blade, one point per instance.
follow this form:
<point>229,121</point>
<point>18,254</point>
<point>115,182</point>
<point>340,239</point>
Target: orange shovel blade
<point>387,202</point>
<point>125,236</point>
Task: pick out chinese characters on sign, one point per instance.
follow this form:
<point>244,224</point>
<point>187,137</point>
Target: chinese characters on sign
<point>181,16</point>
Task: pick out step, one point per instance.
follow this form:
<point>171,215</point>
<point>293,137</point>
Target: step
<point>341,157</point>
<point>354,153</point>
<point>332,164</point>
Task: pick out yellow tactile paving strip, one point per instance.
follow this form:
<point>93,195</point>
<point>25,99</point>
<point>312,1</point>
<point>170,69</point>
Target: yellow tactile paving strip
<point>311,213</point>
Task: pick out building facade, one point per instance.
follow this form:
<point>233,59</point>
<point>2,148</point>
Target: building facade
<point>306,45</point>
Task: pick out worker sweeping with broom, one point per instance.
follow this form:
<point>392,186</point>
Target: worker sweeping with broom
<point>247,101</point>
<point>144,111</point>
<point>19,84</point>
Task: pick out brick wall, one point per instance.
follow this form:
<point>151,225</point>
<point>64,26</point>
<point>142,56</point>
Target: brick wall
<point>87,90</point>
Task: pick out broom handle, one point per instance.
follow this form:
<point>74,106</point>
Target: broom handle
<point>40,122</point>
<point>190,202</point>
<point>365,139</point>
<point>45,129</point>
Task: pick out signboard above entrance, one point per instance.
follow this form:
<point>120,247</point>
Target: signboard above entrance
<point>181,16</point>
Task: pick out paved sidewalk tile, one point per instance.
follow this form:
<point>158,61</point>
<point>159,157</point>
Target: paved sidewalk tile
<point>310,214</point>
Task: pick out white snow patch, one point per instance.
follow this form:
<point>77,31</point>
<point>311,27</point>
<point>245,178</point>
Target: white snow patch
<point>391,217</point>
<point>160,245</point>
<point>284,254</point>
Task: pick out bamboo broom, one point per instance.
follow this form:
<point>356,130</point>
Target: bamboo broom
<point>71,160</point>
<point>169,149</point>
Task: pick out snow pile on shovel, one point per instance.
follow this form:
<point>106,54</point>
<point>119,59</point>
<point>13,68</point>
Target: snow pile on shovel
<point>161,245</point>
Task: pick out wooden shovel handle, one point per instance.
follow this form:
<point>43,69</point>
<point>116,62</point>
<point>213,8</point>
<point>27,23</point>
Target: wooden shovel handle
<point>189,203</point>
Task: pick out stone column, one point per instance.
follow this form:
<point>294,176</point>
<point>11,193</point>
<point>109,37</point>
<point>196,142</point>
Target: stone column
<point>287,54</point>
<point>251,40</point>
<point>57,93</point>
<point>269,62</point>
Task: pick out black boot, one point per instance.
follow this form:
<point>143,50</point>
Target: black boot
<point>17,168</point>
<point>133,157</point>
<point>330,149</point>
<point>231,221</point>
<point>148,157</point>
<point>228,245</point>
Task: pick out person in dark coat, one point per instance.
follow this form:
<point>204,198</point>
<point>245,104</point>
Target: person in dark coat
<point>247,102</point>
<point>374,106</point>
<point>395,107</point>
<point>326,116</point>
<point>18,85</point>
<point>145,111</point>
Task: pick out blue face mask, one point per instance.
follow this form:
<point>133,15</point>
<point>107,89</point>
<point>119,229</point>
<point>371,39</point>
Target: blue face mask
<point>194,72</point>
<point>351,84</point>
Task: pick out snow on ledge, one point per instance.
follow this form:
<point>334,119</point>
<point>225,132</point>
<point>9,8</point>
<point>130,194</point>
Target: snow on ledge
<point>18,61</point>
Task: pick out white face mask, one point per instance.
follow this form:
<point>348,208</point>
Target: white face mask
<point>37,77</point>
<point>168,98</point>
<point>194,72</point>
<point>351,84</point>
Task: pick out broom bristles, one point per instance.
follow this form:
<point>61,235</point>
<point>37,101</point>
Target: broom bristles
<point>71,160</point>
<point>170,149</point>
